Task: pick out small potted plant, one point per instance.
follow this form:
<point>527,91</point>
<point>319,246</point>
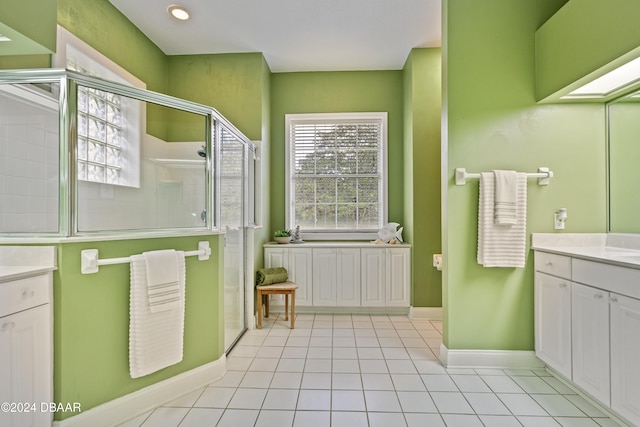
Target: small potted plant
<point>282,236</point>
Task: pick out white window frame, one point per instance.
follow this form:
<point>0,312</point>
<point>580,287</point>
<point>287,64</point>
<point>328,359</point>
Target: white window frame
<point>354,234</point>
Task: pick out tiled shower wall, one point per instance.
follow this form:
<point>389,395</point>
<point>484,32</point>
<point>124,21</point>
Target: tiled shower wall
<point>29,166</point>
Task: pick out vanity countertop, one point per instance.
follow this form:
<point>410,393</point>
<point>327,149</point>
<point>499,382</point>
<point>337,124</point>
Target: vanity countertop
<point>616,249</point>
<point>17,262</point>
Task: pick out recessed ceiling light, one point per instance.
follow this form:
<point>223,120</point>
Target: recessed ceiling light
<point>4,38</point>
<point>179,12</point>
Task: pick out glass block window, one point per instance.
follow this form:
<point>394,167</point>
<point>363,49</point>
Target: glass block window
<point>336,171</point>
<point>100,136</point>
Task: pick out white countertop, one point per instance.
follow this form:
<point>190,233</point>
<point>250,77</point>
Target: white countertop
<point>336,244</point>
<point>613,248</point>
<point>17,262</point>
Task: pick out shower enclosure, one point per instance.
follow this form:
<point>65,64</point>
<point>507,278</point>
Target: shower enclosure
<point>83,156</point>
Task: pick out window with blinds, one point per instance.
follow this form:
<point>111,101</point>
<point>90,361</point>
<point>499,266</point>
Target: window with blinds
<point>336,174</point>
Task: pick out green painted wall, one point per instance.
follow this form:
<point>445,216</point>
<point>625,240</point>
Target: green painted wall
<point>30,24</point>
<point>231,83</point>
<point>322,92</point>
<point>91,320</point>
<point>492,121</point>
<point>422,111</point>
<point>584,39</point>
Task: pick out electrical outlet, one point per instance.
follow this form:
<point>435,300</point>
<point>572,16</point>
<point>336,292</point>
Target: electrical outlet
<point>437,261</point>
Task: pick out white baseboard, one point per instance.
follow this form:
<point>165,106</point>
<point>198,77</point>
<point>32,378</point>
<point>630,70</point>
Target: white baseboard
<point>501,359</point>
<point>133,404</point>
<point>428,313</point>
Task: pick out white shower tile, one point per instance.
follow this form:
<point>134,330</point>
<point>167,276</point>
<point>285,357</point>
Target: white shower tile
<point>451,403</point>
<point>408,382</point>
<point>238,417</point>
<point>521,404</point>
<point>312,419</point>
<point>557,405</point>
<point>462,420</point>
<point>215,397</point>
<point>286,380</point>
<point>314,400</point>
<point>423,420</point>
<point>248,398</point>
<point>281,399</point>
<point>486,404</point>
<point>346,381</point>
<point>377,382</point>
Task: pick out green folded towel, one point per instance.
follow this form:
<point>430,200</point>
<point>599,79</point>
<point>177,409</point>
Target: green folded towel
<point>269,276</point>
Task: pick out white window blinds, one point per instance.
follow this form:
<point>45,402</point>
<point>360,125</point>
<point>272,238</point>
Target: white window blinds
<point>337,171</point>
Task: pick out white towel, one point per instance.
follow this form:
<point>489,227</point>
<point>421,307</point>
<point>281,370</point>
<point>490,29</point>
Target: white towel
<point>505,197</point>
<point>162,279</point>
<point>155,339</point>
<point>501,245</point>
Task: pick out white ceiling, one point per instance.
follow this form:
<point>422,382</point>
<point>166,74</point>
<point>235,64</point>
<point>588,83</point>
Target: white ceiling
<point>295,35</point>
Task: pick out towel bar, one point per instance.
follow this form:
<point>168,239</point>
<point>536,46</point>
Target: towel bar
<point>544,175</point>
<point>91,264</point>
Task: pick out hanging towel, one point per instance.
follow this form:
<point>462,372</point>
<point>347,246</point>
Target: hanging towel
<point>505,197</point>
<point>501,245</point>
<point>162,279</point>
<point>155,338</point>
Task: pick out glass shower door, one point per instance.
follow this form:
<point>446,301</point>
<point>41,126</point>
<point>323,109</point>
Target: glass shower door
<point>232,222</point>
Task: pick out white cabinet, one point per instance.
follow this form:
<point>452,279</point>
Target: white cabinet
<point>590,340</point>
<point>348,287</point>
<point>299,266</point>
<point>373,277</point>
<point>347,274</point>
<point>398,277</point>
<point>625,357</point>
<point>336,277</point>
<point>552,314</point>
<point>26,350</point>
<point>552,319</point>
<point>324,277</point>
<point>587,327</point>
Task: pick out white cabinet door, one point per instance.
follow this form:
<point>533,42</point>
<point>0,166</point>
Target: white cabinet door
<point>25,365</point>
<point>324,277</point>
<point>552,319</point>
<point>298,263</point>
<point>373,277</point>
<point>625,357</point>
<point>590,340</point>
<point>398,277</point>
<point>348,276</point>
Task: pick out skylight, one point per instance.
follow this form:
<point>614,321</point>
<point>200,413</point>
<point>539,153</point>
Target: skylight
<point>610,82</point>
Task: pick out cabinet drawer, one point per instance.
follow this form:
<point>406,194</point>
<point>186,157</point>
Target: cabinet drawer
<point>613,278</point>
<point>22,294</point>
<point>556,265</point>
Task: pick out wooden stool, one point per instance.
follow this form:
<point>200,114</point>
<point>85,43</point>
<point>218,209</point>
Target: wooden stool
<point>284,288</point>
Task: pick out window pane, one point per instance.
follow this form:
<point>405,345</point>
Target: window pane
<point>326,162</point>
<point>305,190</point>
<point>347,216</point>
<point>326,216</point>
<point>346,162</point>
<point>347,190</point>
<point>368,216</point>
<point>325,190</point>
<point>305,215</point>
<point>368,162</point>
<point>368,190</point>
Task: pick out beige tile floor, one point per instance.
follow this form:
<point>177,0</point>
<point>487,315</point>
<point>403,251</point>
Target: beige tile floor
<point>367,370</point>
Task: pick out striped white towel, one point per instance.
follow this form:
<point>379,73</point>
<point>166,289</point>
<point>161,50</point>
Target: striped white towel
<point>501,245</point>
<point>505,197</point>
<point>155,339</point>
<point>162,279</point>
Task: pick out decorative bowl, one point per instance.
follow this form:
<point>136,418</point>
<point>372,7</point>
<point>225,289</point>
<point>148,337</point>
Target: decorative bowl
<point>285,239</point>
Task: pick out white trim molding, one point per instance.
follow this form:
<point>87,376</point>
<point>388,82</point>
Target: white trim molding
<point>500,359</point>
<point>133,404</point>
<point>426,313</point>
